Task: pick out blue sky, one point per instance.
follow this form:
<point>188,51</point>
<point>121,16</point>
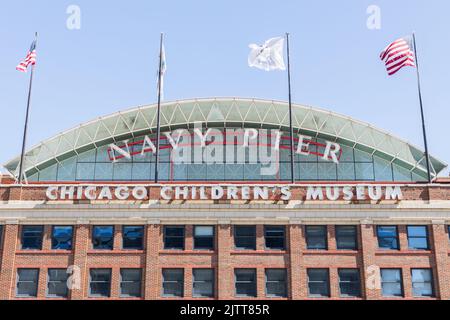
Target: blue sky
<point>110,63</point>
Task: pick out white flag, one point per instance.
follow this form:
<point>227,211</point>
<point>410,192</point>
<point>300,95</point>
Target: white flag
<point>268,56</point>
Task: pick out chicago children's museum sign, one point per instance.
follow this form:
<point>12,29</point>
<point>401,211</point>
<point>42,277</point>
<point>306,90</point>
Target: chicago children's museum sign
<point>225,192</point>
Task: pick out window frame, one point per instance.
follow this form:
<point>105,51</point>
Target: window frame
<point>356,242</point>
<point>47,294</point>
<point>35,281</point>
<point>163,294</point>
<point>236,282</point>
<point>71,238</point>
<point>212,281</point>
<point>358,272</point>
<point>402,289</point>
<point>165,236</point>
<point>285,282</point>
<point>251,237</point>
<point>426,237</point>
<point>266,237</point>
<point>327,282</point>
<point>90,294</point>
<point>323,237</point>
<point>431,282</point>
<point>121,294</point>
<point>112,237</point>
<point>22,237</point>
<point>142,237</point>
<point>213,236</point>
<point>397,237</point>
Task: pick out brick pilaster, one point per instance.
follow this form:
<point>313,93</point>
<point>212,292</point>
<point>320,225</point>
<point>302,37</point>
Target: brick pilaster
<point>152,269</point>
<point>439,243</point>
<point>80,272</point>
<point>225,288</point>
<point>370,271</point>
<point>295,250</point>
<point>7,268</point>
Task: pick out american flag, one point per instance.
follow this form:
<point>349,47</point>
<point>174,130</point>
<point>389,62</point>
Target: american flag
<point>398,54</point>
<point>29,59</point>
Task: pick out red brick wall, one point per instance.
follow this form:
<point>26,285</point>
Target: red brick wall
<point>296,259</point>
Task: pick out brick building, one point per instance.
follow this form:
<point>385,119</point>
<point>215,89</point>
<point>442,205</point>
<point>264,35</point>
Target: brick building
<point>359,222</point>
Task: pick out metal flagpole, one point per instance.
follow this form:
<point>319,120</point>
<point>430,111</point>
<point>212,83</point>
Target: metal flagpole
<point>25,129</point>
<point>158,117</point>
<point>291,129</point>
<point>427,156</point>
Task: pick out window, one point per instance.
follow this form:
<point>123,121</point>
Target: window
<point>319,283</point>
<point>422,282</point>
<point>418,237</point>
<point>275,237</point>
<point>103,237</point>
<point>57,283</point>
<point>62,237</point>
<point>245,237</point>
<point>245,282</point>
<point>100,283</point>
<point>316,237</point>
<point>349,283</point>
<point>388,237</point>
<point>174,237</point>
<point>27,283</point>
<point>346,238</point>
<point>203,283</point>
<point>130,283</point>
<point>133,237</point>
<point>32,237</point>
<point>173,282</point>
<point>276,285</point>
<point>391,282</point>
<point>204,237</point>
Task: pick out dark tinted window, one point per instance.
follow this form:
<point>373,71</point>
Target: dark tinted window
<point>57,283</point>
<point>418,237</point>
<point>349,282</point>
<point>203,283</point>
<point>245,282</point>
<point>103,237</point>
<point>391,282</point>
<point>245,237</point>
<point>62,237</point>
<point>173,282</point>
<point>27,283</point>
<point>100,283</point>
<point>276,284</point>
<point>275,237</point>
<point>32,237</point>
<point>346,238</point>
<point>422,282</point>
<point>316,237</point>
<point>130,283</point>
<point>388,237</point>
<point>318,282</point>
<point>133,237</point>
<point>174,237</point>
<point>204,237</point>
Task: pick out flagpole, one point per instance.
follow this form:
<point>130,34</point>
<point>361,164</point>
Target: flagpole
<point>427,156</point>
<point>158,117</point>
<point>25,129</point>
<point>291,129</point>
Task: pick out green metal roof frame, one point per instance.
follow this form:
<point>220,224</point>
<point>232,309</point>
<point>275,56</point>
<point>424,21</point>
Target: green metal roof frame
<point>228,112</point>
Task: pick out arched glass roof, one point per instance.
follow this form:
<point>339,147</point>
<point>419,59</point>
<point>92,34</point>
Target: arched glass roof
<point>225,112</point>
